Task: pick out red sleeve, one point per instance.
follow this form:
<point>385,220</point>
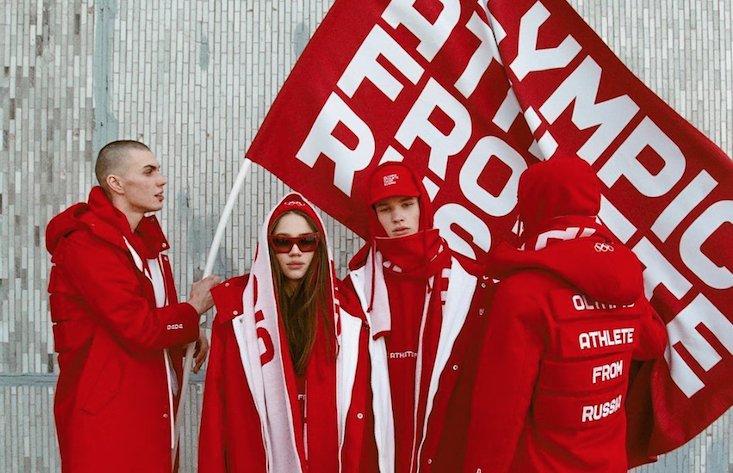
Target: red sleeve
<point>212,444</point>
<point>507,372</point>
<point>109,284</point>
<point>651,339</point>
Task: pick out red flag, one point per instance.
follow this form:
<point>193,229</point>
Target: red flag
<point>471,97</point>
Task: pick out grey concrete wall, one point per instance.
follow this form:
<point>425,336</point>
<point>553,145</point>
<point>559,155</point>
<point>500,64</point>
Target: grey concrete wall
<point>193,79</point>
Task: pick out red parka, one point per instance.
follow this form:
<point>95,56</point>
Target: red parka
<point>113,401</point>
<point>423,361</point>
<point>566,320</point>
<point>230,437</point>
<point>259,414</point>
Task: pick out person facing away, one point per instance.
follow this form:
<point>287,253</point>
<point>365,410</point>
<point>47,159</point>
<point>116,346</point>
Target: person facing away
<point>286,381</point>
<point>425,314</point>
<point>567,318</point>
<point>118,326</point>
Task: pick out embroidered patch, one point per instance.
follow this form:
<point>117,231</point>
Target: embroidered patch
<point>390,179</point>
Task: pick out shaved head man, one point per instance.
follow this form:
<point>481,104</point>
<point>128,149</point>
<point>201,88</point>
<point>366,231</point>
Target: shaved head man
<point>119,329</point>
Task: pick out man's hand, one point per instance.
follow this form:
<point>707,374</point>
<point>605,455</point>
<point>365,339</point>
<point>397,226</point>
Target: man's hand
<point>200,295</point>
<point>202,349</point>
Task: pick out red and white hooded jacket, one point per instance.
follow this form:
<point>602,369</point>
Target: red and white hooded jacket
<point>566,320</point>
<point>425,311</point>
<point>118,330</point>
<point>256,416</point>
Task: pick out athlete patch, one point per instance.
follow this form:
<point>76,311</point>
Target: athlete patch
<point>566,304</point>
<point>574,376</point>
<point>579,411</point>
<point>596,337</point>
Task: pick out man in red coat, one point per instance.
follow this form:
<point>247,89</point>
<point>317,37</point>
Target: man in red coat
<point>425,311</point>
<point>118,326</point>
<point>566,320</point>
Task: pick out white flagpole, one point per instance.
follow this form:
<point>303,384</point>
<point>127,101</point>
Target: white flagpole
<point>211,258</point>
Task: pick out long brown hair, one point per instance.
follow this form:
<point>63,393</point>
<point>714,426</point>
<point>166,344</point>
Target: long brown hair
<point>299,311</point>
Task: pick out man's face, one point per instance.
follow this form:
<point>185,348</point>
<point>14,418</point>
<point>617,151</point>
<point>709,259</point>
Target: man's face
<point>399,215</point>
<point>143,183</point>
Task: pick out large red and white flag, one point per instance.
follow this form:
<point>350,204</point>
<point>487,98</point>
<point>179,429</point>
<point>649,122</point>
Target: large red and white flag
<point>471,95</point>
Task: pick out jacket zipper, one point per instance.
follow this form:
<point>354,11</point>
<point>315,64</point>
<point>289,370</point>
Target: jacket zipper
<point>166,358</point>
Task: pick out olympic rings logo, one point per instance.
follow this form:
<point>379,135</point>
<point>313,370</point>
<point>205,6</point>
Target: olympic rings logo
<point>603,248</point>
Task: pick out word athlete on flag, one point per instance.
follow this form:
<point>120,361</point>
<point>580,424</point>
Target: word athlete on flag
<point>471,94</point>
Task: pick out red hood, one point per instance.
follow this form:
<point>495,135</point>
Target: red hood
<point>609,277</point>
<point>559,187</point>
<point>103,220</point>
<point>64,224</point>
<point>565,192</point>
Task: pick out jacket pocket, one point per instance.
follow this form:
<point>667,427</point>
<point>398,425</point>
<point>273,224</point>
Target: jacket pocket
<point>72,327</point>
<point>105,387</point>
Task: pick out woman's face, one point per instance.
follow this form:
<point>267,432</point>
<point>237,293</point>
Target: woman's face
<point>295,263</point>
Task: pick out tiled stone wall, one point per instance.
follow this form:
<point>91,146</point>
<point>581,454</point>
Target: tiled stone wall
<point>193,79</point>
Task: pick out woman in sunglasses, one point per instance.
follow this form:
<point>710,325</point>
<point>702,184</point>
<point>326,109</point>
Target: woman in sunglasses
<point>287,374</point>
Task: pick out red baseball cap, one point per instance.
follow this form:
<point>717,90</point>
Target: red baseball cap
<point>392,180</point>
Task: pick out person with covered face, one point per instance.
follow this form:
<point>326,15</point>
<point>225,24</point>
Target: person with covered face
<point>285,384</point>
<point>425,311</point>
<point>566,320</point>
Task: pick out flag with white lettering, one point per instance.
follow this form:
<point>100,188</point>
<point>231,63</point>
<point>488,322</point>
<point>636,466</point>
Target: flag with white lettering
<point>471,96</point>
